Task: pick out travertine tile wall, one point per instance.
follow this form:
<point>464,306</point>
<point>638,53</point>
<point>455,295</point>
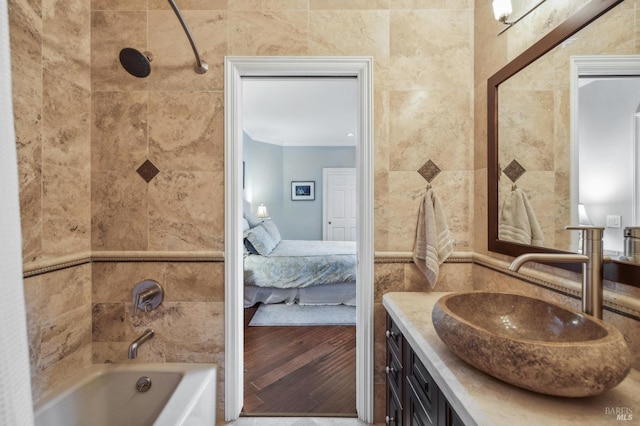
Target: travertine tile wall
<point>50,60</point>
<point>83,131</point>
<point>52,99</point>
<point>423,110</point>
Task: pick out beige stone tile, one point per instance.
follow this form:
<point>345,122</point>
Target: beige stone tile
<point>117,352</point>
<point>254,5</point>
<point>173,66</point>
<point>66,124</point>
<point>431,49</point>
<point>379,343</point>
<point>435,125</point>
<point>405,193</point>
<point>66,217</point>
<point>350,5</point>
<point>27,107</point>
<point>44,381</point>
<point>193,282</point>
<point>109,352</point>
<point>480,127</point>
<point>64,335</point>
<point>25,23</point>
<point>119,130</point>
<point>272,33</point>
<point>171,321</point>
<point>55,293</point>
<point>432,4</point>
<point>111,31</point>
<point>524,130</point>
<point>214,322</point>
<point>350,32</point>
<point>194,352</point>
<point>107,322</point>
<point>387,277</point>
<point>119,211</point>
<point>186,131</point>
<point>119,4</point>
<point>190,4</point>
<point>381,211</point>
<point>114,281</point>
<point>186,211</point>
<point>66,41</point>
<point>479,207</point>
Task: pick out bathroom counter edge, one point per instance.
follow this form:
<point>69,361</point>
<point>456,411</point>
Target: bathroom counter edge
<point>480,399</point>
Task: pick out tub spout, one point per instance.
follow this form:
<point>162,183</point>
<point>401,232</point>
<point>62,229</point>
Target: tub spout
<point>133,347</point>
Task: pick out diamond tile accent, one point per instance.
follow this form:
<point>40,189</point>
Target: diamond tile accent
<point>429,171</point>
<point>148,171</point>
<point>514,171</point>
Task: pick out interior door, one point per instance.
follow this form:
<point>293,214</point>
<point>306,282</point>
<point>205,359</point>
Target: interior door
<point>339,206</point>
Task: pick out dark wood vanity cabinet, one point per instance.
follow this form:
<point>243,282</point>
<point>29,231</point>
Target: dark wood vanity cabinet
<point>413,398</point>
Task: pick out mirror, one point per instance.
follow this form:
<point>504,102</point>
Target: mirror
<point>529,121</point>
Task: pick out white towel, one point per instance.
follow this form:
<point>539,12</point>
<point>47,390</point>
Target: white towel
<point>434,241</point>
<point>518,221</point>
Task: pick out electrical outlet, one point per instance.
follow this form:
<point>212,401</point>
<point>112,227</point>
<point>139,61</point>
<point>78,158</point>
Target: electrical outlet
<point>613,221</point>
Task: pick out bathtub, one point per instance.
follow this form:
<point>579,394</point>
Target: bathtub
<point>107,395</point>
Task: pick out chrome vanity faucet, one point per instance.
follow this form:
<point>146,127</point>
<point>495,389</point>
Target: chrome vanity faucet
<point>133,347</point>
<point>592,260</point>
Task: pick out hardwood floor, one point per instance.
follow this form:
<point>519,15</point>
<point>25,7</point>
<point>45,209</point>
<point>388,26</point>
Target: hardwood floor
<point>299,370</point>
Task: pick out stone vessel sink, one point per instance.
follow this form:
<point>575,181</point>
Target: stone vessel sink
<point>532,343</point>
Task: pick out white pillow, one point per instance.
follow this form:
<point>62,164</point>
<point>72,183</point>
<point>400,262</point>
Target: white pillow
<point>273,231</point>
<point>252,219</point>
<point>260,242</point>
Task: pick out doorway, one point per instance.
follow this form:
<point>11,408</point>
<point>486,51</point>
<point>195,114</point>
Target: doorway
<point>237,68</point>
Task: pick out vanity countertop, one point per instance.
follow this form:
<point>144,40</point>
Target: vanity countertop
<point>480,399</point>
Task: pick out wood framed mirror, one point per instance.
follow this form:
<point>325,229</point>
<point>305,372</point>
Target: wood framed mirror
<point>615,270</point>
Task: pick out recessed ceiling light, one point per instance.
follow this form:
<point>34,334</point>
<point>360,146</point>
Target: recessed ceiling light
<point>350,134</point>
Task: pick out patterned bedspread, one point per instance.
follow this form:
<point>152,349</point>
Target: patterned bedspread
<point>297,264</point>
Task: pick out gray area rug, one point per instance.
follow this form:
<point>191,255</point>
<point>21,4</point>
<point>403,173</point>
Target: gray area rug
<point>298,315</point>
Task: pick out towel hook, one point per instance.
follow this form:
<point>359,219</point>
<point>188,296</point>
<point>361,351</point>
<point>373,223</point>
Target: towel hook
<point>514,171</point>
<point>429,171</point>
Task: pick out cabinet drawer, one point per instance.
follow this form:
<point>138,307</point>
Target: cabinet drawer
<point>394,407</point>
<point>419,415</point>
<point>394,337</point>
<point>394,372</point>
<point>423,384</point>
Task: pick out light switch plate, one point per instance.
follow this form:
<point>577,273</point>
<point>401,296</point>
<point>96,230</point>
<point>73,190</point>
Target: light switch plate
<point>613,221</point>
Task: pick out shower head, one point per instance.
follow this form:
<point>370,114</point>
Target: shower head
<point>135,62</point>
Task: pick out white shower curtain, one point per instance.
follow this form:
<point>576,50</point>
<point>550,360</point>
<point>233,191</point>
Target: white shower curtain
<point>16,406</point>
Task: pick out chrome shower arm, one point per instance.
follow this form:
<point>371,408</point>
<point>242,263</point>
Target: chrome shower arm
<point>201,66</point>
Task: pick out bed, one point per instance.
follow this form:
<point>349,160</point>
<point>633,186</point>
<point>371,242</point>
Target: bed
<point>297,271</point>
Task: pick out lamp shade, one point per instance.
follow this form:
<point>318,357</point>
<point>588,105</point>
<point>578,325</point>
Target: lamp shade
<point>262,211</point>
<point>583,219</point>
<point>502,9</point>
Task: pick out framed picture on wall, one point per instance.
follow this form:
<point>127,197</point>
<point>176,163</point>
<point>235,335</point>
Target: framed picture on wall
<point>303,190</point>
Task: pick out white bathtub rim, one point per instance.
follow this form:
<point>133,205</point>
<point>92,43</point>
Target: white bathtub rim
<point>190,373</point>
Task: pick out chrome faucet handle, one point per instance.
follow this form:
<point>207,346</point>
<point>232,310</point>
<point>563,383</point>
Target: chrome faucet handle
<point>147,295</point>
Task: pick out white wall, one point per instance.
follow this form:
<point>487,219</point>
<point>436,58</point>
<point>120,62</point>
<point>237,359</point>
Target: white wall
<point>269,170</point>
<point>606,117</point>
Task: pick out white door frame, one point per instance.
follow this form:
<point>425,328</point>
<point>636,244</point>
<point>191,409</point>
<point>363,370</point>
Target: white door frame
<point>325,194</point>
<point>235,69</point>
<point>598,65</point>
